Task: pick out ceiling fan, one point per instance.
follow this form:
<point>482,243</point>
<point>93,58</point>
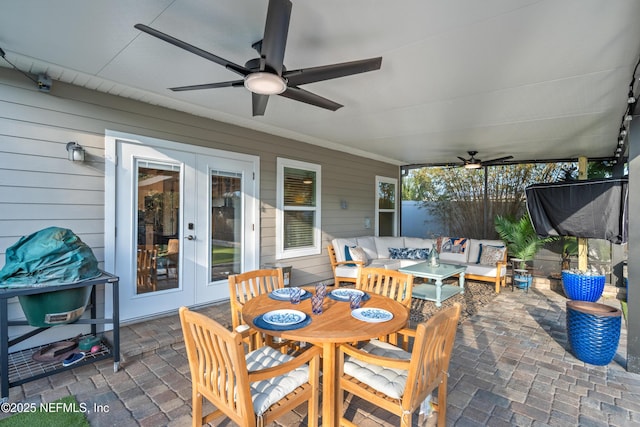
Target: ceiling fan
<point>266,75</point>
<point>473,163</point>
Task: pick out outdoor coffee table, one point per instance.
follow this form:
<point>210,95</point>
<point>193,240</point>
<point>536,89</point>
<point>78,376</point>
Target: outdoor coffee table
<point>437,292</point>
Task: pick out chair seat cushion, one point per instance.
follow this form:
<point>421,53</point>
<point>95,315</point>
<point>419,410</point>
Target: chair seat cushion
<point>346,271</point>
<point>484,270</point>
<point>267,392</point>
<point>386,380</point>
<point>389,264</point>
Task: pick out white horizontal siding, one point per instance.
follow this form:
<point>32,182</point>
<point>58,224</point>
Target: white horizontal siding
<point>39,187</point>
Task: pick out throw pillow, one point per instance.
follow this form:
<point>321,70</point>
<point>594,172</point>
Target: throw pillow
<point>408,253</point>
<point>481,247</point>
<point>417,253</point>
<point>347,256</point>
<point>358,254</point>
<point>491,255</point>
<point>395,253</point>
<point>454,245</point>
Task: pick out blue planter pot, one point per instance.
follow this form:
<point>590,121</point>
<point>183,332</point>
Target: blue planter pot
<point>581,287</point>
<point>593,331</point>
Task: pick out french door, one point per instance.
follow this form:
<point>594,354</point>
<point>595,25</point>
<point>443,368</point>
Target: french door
<point>186,220</point>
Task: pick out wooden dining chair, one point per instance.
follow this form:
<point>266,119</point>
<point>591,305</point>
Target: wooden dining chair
<point>252,389</point>
<point>147,270</point>
<point>173,255</point>
<point>390,283</point>
<point>396,380</point>
<point>242,288</point>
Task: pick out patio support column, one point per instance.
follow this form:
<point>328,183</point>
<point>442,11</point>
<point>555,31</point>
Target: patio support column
<point>618,252</point>
<point>633,266</point>
<point>582,242</point>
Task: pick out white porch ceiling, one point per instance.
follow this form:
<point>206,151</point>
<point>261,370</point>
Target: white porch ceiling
<point>536,79</point>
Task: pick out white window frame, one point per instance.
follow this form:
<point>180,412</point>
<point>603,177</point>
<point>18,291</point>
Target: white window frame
<point>316,249</point>
<point>387,180</point>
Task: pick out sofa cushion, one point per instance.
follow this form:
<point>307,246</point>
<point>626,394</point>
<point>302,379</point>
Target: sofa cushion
<point>490,255</point>
<point>409,262</point>
<point>484,270</point>
<point>346,271</point>
<point>368,243</point>
<point>384,243</point>
<point>338,247</point>
<point>408,253</point>
<point>389,264</point>
<point>417,242</point>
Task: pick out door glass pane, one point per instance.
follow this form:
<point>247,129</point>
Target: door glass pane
<point>385,223</point>
<point>386,195</point>
<point>158,221</point>
<point>226,224</point>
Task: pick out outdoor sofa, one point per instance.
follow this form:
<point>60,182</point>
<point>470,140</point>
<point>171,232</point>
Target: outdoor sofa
<point>486,260</point>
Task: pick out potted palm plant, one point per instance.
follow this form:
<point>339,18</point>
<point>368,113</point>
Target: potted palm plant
<point>522,244</point>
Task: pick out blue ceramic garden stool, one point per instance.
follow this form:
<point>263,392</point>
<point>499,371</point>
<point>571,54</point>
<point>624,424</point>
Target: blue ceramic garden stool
<point>593,331</point>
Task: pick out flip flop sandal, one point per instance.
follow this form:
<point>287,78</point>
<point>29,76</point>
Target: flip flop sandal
<point>55,352</point>
<point>73,359</point>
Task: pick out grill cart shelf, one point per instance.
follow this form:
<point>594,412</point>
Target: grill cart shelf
<point>18,368</point>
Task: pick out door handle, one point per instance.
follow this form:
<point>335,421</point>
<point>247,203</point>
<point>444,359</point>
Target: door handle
<point>190,237</point>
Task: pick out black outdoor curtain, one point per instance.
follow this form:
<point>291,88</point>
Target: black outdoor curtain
<point>593,208</point>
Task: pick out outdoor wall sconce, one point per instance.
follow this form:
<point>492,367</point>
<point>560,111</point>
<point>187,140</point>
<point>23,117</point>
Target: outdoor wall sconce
<point>75,152</point>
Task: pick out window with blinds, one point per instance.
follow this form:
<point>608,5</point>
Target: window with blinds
<point>298,222</point>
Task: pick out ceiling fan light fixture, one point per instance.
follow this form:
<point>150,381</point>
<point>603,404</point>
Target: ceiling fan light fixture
<point>472,166</point>
<point>265,83</point>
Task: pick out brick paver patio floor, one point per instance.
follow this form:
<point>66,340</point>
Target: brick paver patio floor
<point>510,366</point>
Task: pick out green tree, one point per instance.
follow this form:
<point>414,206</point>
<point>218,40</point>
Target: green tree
<point>456,196</point>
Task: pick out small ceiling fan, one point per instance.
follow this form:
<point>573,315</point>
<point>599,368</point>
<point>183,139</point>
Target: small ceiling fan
<point>266,75</point>
<point>473,163</point>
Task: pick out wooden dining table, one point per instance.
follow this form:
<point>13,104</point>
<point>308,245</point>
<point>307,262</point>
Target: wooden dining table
<point>334,326</point>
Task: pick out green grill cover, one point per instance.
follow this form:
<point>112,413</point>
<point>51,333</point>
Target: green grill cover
<point>52,256</point>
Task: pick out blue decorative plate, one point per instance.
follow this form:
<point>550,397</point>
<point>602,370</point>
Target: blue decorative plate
<point>284,317</point>
<point>259,322</point>
<point>345,294</point>
<point>283,294</point>
<point>372,315</point>
<point>286,292</point>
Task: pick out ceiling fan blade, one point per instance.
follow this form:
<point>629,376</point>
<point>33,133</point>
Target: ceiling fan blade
<point>463,159</point>
<point>276,30</point>
<point>195,50</point>
<point>307,97</point>
<point>498,160</point>
<point>232,83</point>
<point>259,103</point>
<point>333,71</point>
